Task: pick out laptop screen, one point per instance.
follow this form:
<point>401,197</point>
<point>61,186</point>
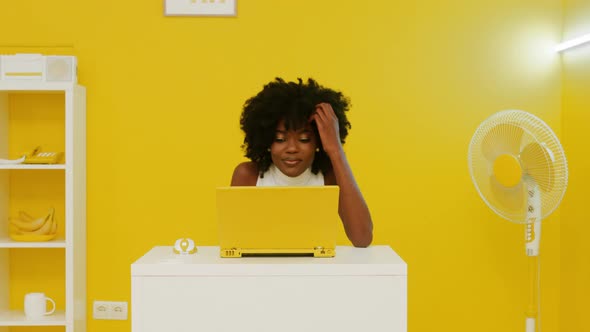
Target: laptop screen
<point>277,219</point>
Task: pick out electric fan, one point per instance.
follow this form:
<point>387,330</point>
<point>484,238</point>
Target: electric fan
<point>520,171</point>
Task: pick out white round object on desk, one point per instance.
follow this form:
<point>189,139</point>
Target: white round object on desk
<point>184,246</point>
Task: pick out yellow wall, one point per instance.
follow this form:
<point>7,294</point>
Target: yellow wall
<point>575,264</point>
<point>165,94</point>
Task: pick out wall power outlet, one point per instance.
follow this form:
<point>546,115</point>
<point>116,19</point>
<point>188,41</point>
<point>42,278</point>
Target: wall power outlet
<point>109,310</point>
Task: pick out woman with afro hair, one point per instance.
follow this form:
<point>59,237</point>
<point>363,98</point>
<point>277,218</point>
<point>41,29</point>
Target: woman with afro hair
<point>294,133</point>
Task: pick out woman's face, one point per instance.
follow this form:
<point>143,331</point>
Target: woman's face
<point>293,151</point>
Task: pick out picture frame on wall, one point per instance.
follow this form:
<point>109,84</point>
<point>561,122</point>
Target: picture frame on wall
<point>200,7</point>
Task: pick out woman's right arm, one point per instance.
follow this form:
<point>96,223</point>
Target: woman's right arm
<point>245,174</point>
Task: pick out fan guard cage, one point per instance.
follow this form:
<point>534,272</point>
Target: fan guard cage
<point>538,151</point>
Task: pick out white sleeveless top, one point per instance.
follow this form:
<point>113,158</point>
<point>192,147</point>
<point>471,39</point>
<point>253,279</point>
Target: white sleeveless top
<point>274,178</point>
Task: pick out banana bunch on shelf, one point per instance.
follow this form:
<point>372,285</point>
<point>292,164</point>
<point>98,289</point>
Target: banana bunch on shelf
<point>27,228</point>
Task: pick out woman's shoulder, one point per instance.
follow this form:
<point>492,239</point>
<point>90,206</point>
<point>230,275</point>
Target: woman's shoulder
<point>245,174</point>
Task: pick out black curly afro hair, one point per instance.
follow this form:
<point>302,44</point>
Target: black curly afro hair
<point>293,102</point>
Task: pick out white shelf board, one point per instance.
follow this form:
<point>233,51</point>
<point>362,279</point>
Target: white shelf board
<point>6,242</point>
<point>28,85</point>
<point>17,318</point>
<point>33,166</point>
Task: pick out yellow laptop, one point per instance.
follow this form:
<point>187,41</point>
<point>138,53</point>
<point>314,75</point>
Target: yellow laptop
<point>269,221</point>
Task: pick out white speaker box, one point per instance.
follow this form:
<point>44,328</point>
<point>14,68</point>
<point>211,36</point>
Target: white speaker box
<point>37,67</point>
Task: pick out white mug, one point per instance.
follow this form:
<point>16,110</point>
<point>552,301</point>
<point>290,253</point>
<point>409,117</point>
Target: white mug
<point>36,305</point>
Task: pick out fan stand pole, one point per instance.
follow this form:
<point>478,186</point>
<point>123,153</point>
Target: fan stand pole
<point>532,241</point>
<point>531,313</point>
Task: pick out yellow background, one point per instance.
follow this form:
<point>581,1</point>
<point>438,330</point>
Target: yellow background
<point>165,95</point>
<point>575,261</point>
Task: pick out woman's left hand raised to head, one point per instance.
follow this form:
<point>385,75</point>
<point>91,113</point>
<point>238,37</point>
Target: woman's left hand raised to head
<point>327,123</point>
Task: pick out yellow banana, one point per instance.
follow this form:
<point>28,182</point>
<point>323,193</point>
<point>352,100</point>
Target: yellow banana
<point>42,225</point>
<point>13,229</point>
<point>54,227</point>
<point>25,216</point>
<point>46,228</point>
<point>28,226</point>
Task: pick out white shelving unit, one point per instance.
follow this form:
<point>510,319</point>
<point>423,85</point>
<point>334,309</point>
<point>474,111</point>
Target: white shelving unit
<point>73,243</point>
<point>32,166</point>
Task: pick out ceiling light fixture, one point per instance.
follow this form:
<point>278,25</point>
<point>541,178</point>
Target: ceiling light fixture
<point>573,43</point>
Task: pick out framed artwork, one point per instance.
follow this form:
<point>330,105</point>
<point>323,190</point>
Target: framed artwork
<point>200,7</point>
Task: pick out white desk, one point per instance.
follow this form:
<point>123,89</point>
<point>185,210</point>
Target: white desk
<point>358,290</point>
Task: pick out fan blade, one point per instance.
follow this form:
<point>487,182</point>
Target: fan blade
<point>537,162</point>
<point>503,138</point>
<point>512,200</point>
